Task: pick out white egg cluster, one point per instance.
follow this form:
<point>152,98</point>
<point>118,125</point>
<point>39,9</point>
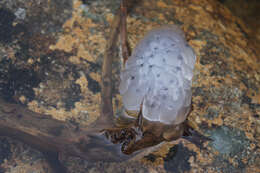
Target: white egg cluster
<point>159,75</point>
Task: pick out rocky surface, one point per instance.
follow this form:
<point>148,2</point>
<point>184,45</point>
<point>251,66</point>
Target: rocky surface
<point>249,12</point>
<point>50,61</point>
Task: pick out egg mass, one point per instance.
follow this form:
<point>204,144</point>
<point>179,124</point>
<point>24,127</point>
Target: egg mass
<point>158,76</point>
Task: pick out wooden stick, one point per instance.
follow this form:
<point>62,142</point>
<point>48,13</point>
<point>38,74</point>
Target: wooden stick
<point>123,31</point>
<point>106,116</point>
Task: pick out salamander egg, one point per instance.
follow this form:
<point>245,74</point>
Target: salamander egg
<point>159,74</point>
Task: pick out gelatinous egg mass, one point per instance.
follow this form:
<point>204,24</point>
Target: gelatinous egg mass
<point>159,75</point>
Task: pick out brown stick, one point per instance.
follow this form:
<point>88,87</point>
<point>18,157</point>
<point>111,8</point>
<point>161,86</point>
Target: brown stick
<point>106,116</point>
<point>123,31</point>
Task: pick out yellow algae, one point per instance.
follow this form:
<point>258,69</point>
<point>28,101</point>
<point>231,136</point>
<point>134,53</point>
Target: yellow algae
<point>256,99</point>
<point>69,23</point>
<point>135,35</point>
<point>252,168</point>
<point>218,121</point>
<point>197,120</point>
<point>99,37</point>
<point>109,17</point>
<point>209,8</point>
<point>250,136</point>
<point>161,4</point>
<point>11,53</point>
<point>60,114</point>
<point>91,111</point>
<point>33,105</point>
<point>74,60</point>
<point>91,102</point>
<point>77,32</point>
<point>95,76</point>
<point>257,77</point>
<point>84,53</point>
<point>197,45</point>
<point>88,23</point>
<point>202,156</point>
<point>89,105</point>
<point>196,7</point>
<point>65,43</point>
<point>22,98</point>
<point>83,82</point>
<point>30,61</point>
<point>160,153</point>
<point>77,4</point>
<point>76,37</point>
